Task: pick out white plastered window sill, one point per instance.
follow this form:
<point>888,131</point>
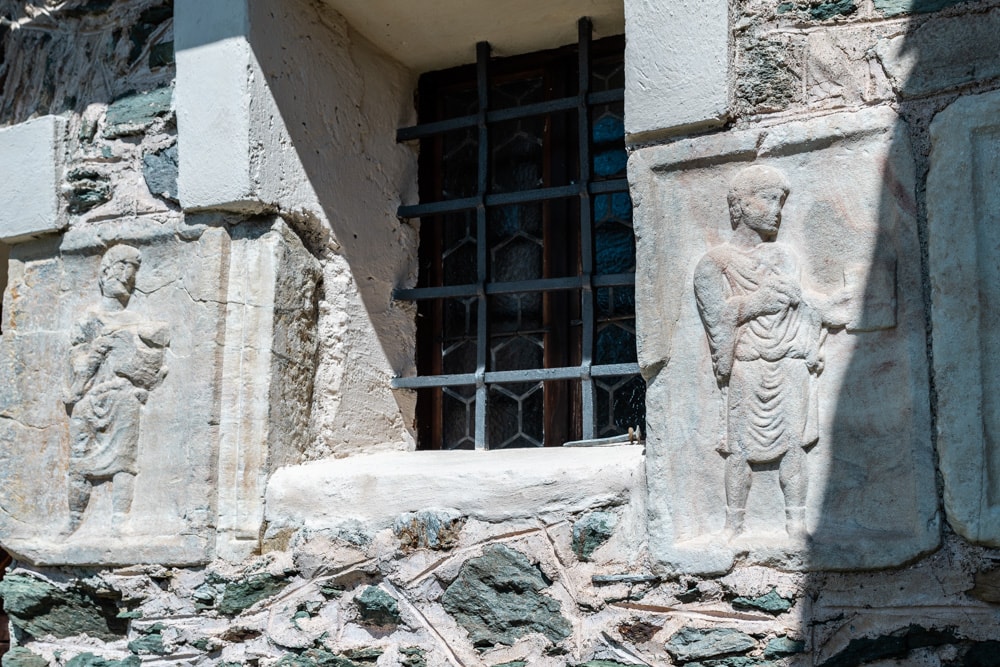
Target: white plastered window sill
<point>493,486</point>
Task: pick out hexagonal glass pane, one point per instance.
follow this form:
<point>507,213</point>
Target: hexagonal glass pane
<point>511,353</point>
<point>621,404</point>
<point>521,312</point>
<point>516,415</point>
<point>459,417</point>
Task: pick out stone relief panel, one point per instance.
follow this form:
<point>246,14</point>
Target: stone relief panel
<point>782,339</point>
<point>116,342</point>
<point>117,359</point>
<point>963,218</point>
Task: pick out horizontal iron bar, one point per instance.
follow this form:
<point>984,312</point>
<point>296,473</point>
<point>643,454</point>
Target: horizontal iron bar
<point>499,115</point>
<point>507,198</point>
<point>611,185</point>
<point>526,375</point>
<point>434,208</point>
<point>513,287</point>
<point>437,127</point>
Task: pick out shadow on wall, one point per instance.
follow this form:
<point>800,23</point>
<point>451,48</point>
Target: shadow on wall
<point>333,107</point>
<point>880,456</point>
<point>324,107</point>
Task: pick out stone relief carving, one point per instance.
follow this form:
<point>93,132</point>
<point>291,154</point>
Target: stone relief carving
<point>766,336</point>
<point>117,359</point>
<point>786,324</point>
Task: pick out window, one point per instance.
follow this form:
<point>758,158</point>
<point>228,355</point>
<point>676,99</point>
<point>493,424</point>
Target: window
<point>526,308</point>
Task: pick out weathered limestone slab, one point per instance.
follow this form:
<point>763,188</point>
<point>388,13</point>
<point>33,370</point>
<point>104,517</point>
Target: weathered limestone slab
<point>788,418</point>
<point>110,409</point>
<point>943,53</point>
<point>267,369</point>
<point>963,218</point>
<point>676,69</point>
<point>30,169</point>
<point>151,376</point>
<point>493,486</point>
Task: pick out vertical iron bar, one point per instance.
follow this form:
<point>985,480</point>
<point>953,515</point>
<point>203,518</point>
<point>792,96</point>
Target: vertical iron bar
<point>586,235</point>
<point>482,340</point>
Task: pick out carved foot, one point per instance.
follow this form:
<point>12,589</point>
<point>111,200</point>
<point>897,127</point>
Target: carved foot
<point>75,519</point>
<point>795,523</point>
<point>734,524</point>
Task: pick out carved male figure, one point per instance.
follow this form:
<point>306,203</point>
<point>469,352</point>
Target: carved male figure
<point>765,334</point>
<point>117,358</point>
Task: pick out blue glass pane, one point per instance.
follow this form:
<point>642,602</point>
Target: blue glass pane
<point>615,249</point>
<point>617,206</point>
<point>608,128</point>
<point>610,162</point>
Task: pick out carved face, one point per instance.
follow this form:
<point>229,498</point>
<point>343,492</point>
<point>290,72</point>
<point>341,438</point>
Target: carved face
<point>118,279</point>
<point>762,211</point>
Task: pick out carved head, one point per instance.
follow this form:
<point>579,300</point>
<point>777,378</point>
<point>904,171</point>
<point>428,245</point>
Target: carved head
<point>118,268</point>
<point>756,196</point>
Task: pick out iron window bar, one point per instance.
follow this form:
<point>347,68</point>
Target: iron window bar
<point>525,375</point>
<point>586,282</point>
<point>516,197</point>
<point>514,113</point>
<point>515,287</point>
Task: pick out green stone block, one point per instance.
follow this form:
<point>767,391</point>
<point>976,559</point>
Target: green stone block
<point>133,114</point>
<point>151,643</point>
<point>22,657</point>
<point>829,10</point>
<point>779,647</point>
<point>377,607</point>
<point>591,531</point>
<point>91,660</point>
<point>39,608</point>
<point>240,595</point>
<point>688,644</point>
<point>770,602</point>
<point>497,599</point>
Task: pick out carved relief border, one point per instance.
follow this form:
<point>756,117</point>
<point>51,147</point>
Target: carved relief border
<point>963,233</point>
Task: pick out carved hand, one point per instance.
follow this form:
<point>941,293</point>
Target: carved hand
<point>815,363</point>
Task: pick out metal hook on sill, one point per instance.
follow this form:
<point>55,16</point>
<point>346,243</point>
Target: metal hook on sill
<point>633,437</point>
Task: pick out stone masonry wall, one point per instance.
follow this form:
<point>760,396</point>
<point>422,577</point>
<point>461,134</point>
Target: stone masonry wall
<point>437,587</point>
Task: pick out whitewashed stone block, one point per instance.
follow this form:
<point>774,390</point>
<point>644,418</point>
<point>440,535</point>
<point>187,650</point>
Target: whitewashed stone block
<point>134,360</point>
<point>963,218</point>
<point>31,169</point>
<point>676,66</point>
<point>787,409</point>
<point>213,57</point>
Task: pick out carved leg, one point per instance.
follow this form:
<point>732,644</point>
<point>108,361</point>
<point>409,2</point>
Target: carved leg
<point>738,480</point>
<point>122,490</point>
<point>791,475</point>
<point>79,498</point>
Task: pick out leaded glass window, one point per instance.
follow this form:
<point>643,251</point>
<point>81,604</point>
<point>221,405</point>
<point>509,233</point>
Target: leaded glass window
<point>526,297</point>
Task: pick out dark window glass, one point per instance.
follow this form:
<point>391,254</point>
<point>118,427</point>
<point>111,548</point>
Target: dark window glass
<point>527,255</point>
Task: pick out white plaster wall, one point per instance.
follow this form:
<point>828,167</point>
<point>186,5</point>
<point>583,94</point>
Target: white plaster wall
<point>324,109</point>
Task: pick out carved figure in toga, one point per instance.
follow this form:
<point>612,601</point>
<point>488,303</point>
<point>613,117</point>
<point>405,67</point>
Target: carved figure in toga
<point>117,358</point>
<point>766,335</point>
